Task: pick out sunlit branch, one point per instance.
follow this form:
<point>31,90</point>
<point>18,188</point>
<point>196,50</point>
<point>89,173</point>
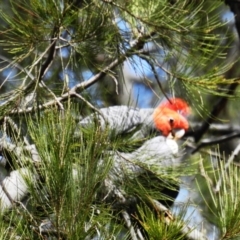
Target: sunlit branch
<point>54,96</point>
<point>115,81</point>
<point>90,105</point>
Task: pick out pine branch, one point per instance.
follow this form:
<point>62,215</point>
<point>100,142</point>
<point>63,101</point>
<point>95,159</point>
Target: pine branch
<point>78,88</point>
<point>226,166</point>
<point>216,110</point>
<point>191,233</point>
<point>51,53</point>
<point>221,104</point>
<point>215,141</point>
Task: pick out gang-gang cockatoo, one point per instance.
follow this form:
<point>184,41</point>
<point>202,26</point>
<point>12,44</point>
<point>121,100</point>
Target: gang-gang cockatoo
<point>148,166</point>
<point>156,152</point>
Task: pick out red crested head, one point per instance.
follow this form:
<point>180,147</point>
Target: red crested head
<point>169,117</point>
<point>177,104</point>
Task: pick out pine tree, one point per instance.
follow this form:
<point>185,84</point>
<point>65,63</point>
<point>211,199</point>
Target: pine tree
<point>62,61</point>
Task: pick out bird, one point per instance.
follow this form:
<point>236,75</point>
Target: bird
<point>169,116</point>
<point>167,119</point>
<point>144,165</point>
<point>148,165</point>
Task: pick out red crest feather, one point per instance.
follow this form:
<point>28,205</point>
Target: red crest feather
<point>170,115</point>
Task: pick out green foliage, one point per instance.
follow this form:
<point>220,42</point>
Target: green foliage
<point>189,39</point>
<point>158,228</point>
<point>184,33</point>
<point>222,198</point>
<point>57,50</point>
<point>69,176</point>
<point>65,187</point>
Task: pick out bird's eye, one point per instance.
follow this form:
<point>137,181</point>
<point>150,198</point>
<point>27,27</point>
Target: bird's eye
<point>171,120</point>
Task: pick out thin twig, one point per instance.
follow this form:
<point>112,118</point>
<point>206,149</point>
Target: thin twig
<point>209,142</point>
<point>51,52</point>
<point>151,64</point>
<point>115,81</point>
<point>26,210</point>
<point>191,233</point>
<point>203,172</point>
<point>12,124</point>
<point>90,105</point>
<point>139,234</point>
<point>215,128</point>
<point>54,96</point>
<point>129,225</point>
<point>216,110</point>
<point>127,219</point>
<point>83,85</point>
<point>18,66</point>
<point>6,193</point>
<point>226,166</point>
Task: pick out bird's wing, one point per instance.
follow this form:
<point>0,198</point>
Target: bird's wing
<point>146,118</point>
<point>117,118</point>
<point>122,119</point>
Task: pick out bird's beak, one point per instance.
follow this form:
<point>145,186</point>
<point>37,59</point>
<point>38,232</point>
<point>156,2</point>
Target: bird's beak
<point>176,134</point>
